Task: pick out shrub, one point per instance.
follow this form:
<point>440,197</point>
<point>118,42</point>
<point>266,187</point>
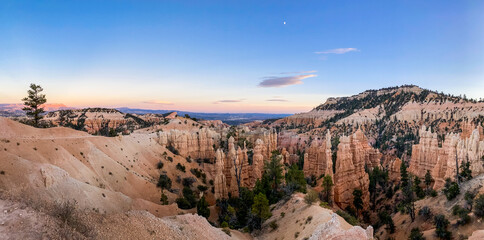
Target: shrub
<point>188,181</point>
<point>273,224</point>
<point>469,198</point>
<point>441,224</point>
<point>226,231</point>
<point>479,206</point>
<point>416,234</point>
<point>202,208</point>
<point>451,189</point>
<point>170,159</point>
<point>173,150</point>
<point>180,167</point>
<point>311,197</point>
<point>196,172</point>
<point>159,165</point>
<point>425,212</point>
<point>202,188</point>
<point>462,213</point>
<point>347,217</point>
<point>325,205</point>
<point>283,214</point>
<point>182,203</point>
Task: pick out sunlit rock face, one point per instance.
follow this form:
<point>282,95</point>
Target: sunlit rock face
<point>440,161</point>
<point>196,144</point>
<point>317,159</point>
<point>353,153</point>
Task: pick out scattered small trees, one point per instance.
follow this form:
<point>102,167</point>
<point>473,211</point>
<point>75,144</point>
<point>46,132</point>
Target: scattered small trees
<point>295,178</point>
<point>469,198</point>
<point>188,200</point>
<point>33,103</point>
<point>463,213</point>
<point>385,218</point>
<point>416,234</point>
<point>202,208</point>
<point>441,224</point>
<point>479,206</point>
<point>451,189</point>
<point>466,172</point>
<point>425,212</point>
<point>164,182</point>
<point>180,167</point>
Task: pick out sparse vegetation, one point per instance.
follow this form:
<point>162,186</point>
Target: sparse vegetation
<point>479,206</point>
<point>311,197</point>
<point>348,218</point>
<point>451,189</point>
<point>441,224</point>
<point>180,167</point>
<point>202,208</point>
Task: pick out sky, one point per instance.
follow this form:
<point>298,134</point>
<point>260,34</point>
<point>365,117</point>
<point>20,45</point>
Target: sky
<point>236,56</point>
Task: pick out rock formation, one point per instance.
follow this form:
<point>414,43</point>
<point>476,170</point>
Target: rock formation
<point>101,120</point>
<point>353,153</point>
<point>441,160</point>
<point>220,182</point>
<point>317,159</point>
<point>332,230</point>
<point>198,144</point>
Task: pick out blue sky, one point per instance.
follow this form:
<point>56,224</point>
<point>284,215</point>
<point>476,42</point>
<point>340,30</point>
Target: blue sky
<point>236,56</point>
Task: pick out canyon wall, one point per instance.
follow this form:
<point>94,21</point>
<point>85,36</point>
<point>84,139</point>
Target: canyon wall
<point>197,144</point>
<point>440,161</point>
<point>353,153</point>
<point>317,159</point>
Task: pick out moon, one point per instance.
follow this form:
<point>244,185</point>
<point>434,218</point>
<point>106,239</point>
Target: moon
<point>284,22</point>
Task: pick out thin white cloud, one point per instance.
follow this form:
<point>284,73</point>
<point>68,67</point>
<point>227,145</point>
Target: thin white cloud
<point>277,100</point>
<point>338,51</point>
<point>284,81</point>
<point>228,101</point>
<point>301,72</point>
<point>158,102</point>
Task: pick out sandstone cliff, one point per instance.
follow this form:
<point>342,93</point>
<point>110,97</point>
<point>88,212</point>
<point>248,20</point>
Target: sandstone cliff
<point>196,144</point>
<point>317,159</point>
<point>441,160</point>
<point>353,153</point>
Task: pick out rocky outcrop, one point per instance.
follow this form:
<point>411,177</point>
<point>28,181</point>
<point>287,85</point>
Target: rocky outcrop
<point>198,144</point>
<point>317,159</point>
<point>220,182</point>
<point>353,153</point>
<point>267,136</point>
<point>440,161</point>
<point>101,120</point>
<point>332,230</point>
<point>292,141</point>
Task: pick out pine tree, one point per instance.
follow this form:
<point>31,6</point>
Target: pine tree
<point>466,172</point>
<point>202,208</point>
<point>327,186</point>
<point>357,201</point>
<point>428,180</point>
<point>33,103</point>
<point>164,182</point>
